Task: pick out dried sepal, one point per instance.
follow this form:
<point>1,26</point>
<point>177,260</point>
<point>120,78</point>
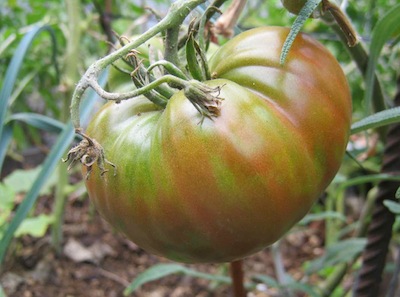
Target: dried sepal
<point>89,152</point>
<point>205,99</point>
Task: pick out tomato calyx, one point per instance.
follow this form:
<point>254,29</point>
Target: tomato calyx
<point>205,99</point>
<point>88,152</point>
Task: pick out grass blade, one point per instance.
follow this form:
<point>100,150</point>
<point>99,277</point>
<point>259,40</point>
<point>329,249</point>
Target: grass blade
<point>377,120</point>
<point>14,68</point>
<point>4,142</point>
<point>153,273</point>
<point>51,162</point>
<point>340,252</point>
<point>38,121</point>
<point>162,270</point>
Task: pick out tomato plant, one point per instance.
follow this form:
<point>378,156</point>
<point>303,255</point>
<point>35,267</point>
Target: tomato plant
<point>119,74</point>
<point>199,189</point>
<point>294,6</point>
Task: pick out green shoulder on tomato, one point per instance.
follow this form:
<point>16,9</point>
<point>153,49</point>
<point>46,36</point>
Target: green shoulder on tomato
<point>196,189</point>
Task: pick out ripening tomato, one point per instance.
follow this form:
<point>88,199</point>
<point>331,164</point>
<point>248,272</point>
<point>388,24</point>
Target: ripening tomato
<point>217,190</point>
<point>294,6</point>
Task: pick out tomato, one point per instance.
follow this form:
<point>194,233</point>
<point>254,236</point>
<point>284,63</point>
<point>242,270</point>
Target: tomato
<point>294,6</point>
<point>196,189</point>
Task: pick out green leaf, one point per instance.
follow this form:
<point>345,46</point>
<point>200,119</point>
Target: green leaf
<point>192,61</point>
<point>52,160</point>
<point>304,14</point>
<point>2,294</point>
<point>5,140</point>
<point>162,270</point>
<point>35,226</point>
<point>208,276</point>
<point>387,26</point>
<point>322,216</point>
<point>9,40</point>
<point>38,121</point>
<point>301,287</point>
<point>21,86</point>
<point>21,180</point>
<point>7,195</point>
<point>153,273</point>
<point>340,252</point>
<point>13,70</point>
<point>293,285</point>
<point>379,119</point>
<point>397,195</point>
<point>265,279</point>
<point>393,206</point>
<point>363,179</point>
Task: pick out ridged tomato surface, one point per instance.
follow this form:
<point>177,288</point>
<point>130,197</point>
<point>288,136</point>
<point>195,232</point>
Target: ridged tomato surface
<point>216,190</point>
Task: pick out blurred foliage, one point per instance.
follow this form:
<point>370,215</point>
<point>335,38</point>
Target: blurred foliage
<point>39,87</point>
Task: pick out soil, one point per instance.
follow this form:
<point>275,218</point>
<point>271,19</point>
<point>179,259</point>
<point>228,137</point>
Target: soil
<point>96,261</point>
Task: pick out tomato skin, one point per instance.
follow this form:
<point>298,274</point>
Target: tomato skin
<point>201,190</point>
<point>294,6</point>
<point>310,89</point>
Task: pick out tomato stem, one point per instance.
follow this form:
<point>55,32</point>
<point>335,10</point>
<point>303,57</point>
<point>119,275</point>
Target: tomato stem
<point>208,14</point>
<point>343,22</point>
<point>141,77</point>
<point>200,95</point>
<point>171,68</point>
<point>360,57</point>
<point>171,45</point>
<point>237,275</point>
<point>178,12</point>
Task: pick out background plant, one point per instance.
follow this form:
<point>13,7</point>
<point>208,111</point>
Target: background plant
<point>35,97</point>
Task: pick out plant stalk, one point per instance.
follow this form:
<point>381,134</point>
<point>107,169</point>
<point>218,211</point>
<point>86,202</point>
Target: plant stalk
<point>178,12</point>
<point>360,57</point>
<point>336,277</point>
<point>280,271</point>
<point>209,13</point>
<point>380,229</point>
<point>343,21</point>
<point>71,75</point>
<point>171,45</point>
<point>237,275</point>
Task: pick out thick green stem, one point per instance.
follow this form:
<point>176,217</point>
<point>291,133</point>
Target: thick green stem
<point>71,74</point>
<point>343,22</point>
<point>176,15</point>
<point>171,45</point>
<point>140,91</point>
<point>360,57</point>
<point>171,68</point>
